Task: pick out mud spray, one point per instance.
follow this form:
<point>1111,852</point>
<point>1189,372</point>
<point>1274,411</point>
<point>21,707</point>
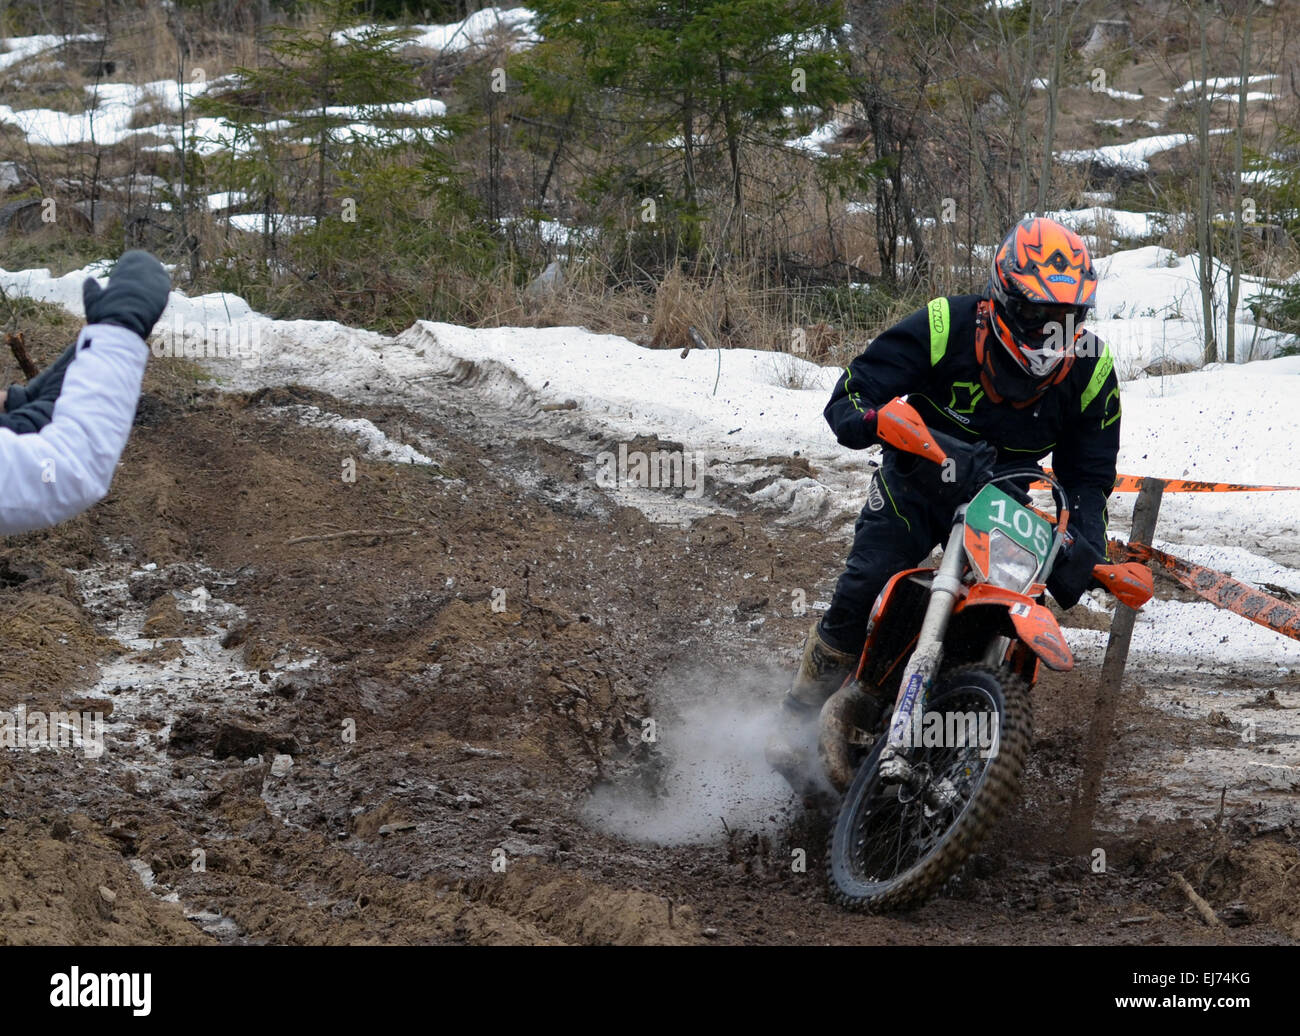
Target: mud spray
<point>711,776</point>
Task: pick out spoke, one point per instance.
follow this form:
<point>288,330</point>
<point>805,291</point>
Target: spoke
<point>890,835</point>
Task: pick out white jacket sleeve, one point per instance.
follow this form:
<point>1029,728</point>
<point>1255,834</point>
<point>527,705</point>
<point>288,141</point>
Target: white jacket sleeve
<point>49,476</point>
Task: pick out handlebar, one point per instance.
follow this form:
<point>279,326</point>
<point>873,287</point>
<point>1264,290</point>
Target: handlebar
<point>900,425</point>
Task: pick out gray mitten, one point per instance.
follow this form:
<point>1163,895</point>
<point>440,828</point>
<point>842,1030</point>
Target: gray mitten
<point>136,295</point>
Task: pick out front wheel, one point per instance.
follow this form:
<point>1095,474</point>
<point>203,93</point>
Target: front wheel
<point>894,843</point>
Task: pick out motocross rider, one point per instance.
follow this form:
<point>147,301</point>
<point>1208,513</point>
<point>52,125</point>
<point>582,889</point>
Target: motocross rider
<point>62,433</point>
<point>1000,379</point>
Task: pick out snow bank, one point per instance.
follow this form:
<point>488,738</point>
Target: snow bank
<point>1126,224</point>
<point>631,390</point>
<point>477,29</point>
<point>206,311</point>
<point>1133,155</point>
<point>18,49</point>
<point>1149,308</point>
<point>740,402</point>
<point>1176,631</point>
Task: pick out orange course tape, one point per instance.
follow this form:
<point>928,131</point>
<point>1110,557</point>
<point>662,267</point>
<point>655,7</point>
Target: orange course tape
<point>1219,589</point>
<point>1133,483</point>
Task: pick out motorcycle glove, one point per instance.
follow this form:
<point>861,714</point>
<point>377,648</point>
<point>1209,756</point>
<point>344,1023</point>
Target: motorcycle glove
<point>858,435</point>
<point>967,467</point>
<point>137,293</point>
<point>1088,517</point>
<point>1072,574</point>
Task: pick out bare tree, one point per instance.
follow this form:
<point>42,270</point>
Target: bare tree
<point>1238,164</point>
<point>1062,26</point>
<point>1020,60</point>
<point>1205,186</point>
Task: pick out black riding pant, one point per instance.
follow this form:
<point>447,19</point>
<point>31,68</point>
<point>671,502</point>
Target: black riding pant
<point>900,524</point>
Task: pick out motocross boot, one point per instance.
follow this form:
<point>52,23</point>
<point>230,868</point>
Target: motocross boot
<point>792,748</point>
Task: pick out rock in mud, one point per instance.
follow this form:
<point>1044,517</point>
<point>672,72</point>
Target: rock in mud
<point>299,684</point>
<point>235,635</point>
<point>104,903</point>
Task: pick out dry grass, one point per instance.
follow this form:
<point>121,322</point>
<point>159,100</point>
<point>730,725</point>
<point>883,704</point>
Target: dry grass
<point>681,303</point>
<point>43,83</point>
<point>146,48</point>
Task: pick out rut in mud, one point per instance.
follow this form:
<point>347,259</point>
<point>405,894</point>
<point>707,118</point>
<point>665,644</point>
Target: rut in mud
<point>320,729</point>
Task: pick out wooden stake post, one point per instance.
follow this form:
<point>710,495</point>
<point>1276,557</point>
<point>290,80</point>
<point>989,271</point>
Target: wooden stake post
<point>1101,729</point>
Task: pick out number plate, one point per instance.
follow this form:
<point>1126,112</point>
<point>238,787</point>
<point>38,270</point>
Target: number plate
<point>993,509</point>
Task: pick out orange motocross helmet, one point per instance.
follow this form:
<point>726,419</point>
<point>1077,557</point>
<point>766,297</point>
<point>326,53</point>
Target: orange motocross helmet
<point>1041,287</point>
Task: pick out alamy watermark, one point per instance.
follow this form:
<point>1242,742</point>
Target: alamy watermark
<point>75,988</point>
<point>657,469</point>
<point>194,340</point>
<point>35,730</point>
<point>954,730</point>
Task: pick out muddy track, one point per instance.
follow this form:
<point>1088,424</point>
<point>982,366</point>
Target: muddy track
<point>439,736</point>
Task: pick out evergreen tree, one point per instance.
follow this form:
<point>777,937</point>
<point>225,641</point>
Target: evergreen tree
<point>682,90</point>
<point>321,129</point>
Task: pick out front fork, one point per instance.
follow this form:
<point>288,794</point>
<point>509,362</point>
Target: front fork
<point>921,670</point>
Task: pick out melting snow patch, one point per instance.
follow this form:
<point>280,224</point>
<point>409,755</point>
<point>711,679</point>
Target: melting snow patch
<point>1120,95</point>
<point>1133,155</point>
<point>376,443</point>
<point>816,141</point>
<point>479,28</point>
<point>18,49</point>
<point>804,500</point>
<point>1222,83</point>
<point>281,223</point>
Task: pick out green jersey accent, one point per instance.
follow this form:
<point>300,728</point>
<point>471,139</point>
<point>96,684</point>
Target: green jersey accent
<point>940,322</point>
<point>1099,374</point>
<point>972,393</point>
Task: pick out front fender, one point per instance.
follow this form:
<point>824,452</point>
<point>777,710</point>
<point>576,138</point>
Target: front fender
<point>1034,624</point>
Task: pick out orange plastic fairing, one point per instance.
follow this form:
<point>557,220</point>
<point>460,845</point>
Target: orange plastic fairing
<point>1033,623</point>
<point>898,424</point>
<point>1131,582</point>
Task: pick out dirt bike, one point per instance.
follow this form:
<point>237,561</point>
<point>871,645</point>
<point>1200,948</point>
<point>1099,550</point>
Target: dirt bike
<point>958,648</point>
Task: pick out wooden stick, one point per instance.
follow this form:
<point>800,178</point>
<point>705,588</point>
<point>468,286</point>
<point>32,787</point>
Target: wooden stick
<point>1105,707</point>
<point>349,532</point>
<point>19,348</point>
<point>695,339</point>
<point>1203,908</point>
